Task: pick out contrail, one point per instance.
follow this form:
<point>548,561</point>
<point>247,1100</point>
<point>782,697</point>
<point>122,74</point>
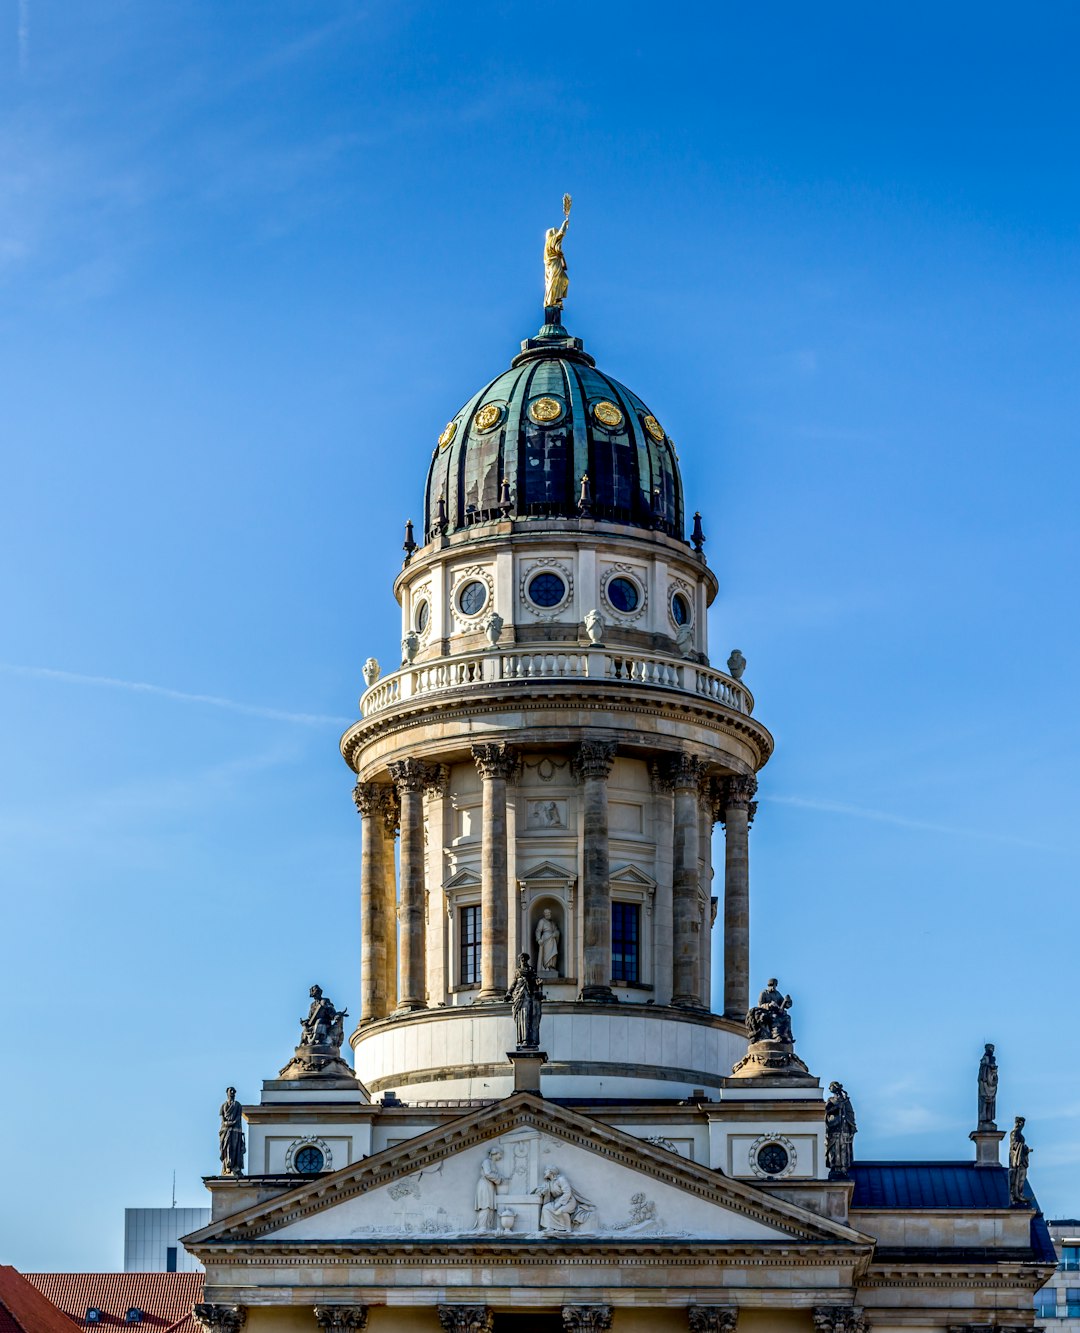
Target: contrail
<point>901,821</point>
<point>24,36</point>
<point>181,696</point>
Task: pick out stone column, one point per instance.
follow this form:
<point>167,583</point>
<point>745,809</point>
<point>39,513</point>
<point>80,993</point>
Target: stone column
<point>686,960</point>
<point>586,1318</point>
<point>738,813</point>
<point>663,835</point>
<point>341,1318</point>
<point>370,802</point>
<point>712,1318</point>
<point>410,777</point>
<point>391,813</point>
<point>497,764</point>
<point>466,1318</point>
<point>220,1318</point>
<point>594,760</point>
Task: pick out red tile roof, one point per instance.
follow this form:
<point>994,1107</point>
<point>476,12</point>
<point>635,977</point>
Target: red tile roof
<point>165,1299</point>
<point>23,1309</point>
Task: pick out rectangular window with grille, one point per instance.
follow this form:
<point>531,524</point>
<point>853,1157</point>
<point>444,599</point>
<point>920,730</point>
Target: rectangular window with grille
<point>1070,1258</point>
<point>1072,1302</point>
<point>625,935</point>
<point>1046,1303</point>
<point>470,946</point>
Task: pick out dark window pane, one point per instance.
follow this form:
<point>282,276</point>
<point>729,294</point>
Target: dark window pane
<point>624,941</point>
<point>470,946</point>
<point>170,1259</point>
<point>622,595</point>
<point>547,589</point>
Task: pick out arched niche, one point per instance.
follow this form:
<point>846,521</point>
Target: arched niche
<point>548,887</point>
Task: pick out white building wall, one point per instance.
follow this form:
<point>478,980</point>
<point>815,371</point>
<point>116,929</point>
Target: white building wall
<point>150,1233</point>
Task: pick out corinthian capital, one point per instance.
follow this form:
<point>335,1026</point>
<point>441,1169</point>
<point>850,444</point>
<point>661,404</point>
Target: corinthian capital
<point>712,1318</point>
<point>738,790</point>
<point>368,798</point>
<point>586,1318</point>
<point>495,760</point>
<point>341,1318</point>
<point>409,775</point>
<point>466,1318</point>
<point>686,771</point>
<point>220,1318</point>
<point>840,1319</point>
<point>594,760</point>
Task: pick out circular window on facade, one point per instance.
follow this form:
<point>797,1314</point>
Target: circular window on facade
<point>773,1159</point>
<point>680,609</point>
<point>546,589</point>
<point>309,1160</point>
<point>423,615</point>
<point>623,595</point>
<point>472,598</point>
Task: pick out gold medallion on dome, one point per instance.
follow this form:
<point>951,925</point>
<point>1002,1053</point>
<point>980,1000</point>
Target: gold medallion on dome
<point>545,409</point>
<point>654,428</point>
<point>449,431</point>
<point>488,416</point>
<point>607,414</point>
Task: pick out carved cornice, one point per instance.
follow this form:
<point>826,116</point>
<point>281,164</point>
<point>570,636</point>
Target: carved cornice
<point>496,760</point>
<point>220,1318</point>
<point>341,1318</point>
<point>840,1319</point>
<point>466,1318</point>
<point>712,1318</point>
<point>594,759</point>
<point>586,1318</point>
<point>410,775</point>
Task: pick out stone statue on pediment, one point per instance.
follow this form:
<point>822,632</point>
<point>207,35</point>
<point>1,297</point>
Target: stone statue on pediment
<point>231,1135</point>
<point>322,1034</point>
<point>526,998</point>
<point>988,1087</point>
<point>1019,1153</point>
<point>840,1131</point>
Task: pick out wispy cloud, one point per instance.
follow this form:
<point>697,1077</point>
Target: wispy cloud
<point>179,696</point>
<point>900,821</point>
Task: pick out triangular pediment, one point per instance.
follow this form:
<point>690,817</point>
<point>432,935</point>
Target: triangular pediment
<point>522,1168</point>
<point>631,876</point>
<point>463,879</point>
<point>547,870</point>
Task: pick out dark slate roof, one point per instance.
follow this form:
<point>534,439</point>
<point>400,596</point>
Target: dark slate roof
<point>1041,1244</point>
<point>929,1185</point>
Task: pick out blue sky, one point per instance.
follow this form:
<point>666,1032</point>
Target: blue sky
<point>253,257</point>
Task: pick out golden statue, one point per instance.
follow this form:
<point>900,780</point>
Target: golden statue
<point>556,283</point>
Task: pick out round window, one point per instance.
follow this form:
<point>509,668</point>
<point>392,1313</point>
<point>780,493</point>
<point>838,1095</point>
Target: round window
<point>773,1159</point>
<point>423,615</point>
<point>680,609</point>
<point>546,589</point>
<point>623,595</point>
<point>309,1160</point>
<point>472,597</point>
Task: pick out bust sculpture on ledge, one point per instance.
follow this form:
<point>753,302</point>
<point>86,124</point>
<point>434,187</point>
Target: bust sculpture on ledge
<point>321,1035</point>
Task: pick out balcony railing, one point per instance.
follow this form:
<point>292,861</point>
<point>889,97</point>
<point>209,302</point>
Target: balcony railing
<point>495,667</point>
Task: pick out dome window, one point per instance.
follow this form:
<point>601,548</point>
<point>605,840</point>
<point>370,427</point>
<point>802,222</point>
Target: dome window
<point>623,595</point>
<point>472,598</point>
<point>680,609</point>
<point>546,590</point>
<point>309,1160</point>
<point>422,616</point>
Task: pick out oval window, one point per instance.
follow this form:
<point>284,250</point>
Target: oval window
<point>472,597</point>
<point>423,615</point>
<point>546,589</point>
<point>623,595</point>
<point>308,1161</point>
<point>680,609</point>
<point>773,1159</point>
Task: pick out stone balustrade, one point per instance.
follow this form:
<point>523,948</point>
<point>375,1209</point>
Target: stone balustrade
<point>493,667</point>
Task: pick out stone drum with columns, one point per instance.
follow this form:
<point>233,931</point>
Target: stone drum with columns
<point>559,1117</point>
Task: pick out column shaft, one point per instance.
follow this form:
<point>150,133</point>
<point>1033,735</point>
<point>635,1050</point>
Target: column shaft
<point>389,823</point>
<point>496,763</point>
<point>369,802</point>
<point>686,962</point>
<point>738,812</point>
<point>594,763</point>
<point>410,775</point>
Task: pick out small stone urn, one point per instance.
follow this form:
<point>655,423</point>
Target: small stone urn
<point>594,627</point>
<point>410,645</point>
<point>507,1218</point>
<point>370,671</point>
<point>493,628</point>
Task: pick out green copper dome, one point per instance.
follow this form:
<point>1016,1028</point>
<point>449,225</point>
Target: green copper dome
<point>543,426</point>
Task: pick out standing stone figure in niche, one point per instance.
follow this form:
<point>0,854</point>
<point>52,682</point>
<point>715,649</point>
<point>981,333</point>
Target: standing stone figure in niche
<point>491,1178</point>
<point>547,943</point>
<point>840,1131</point>
<point>231,1135</point>
<point>563,1208</point>
<point>526,1001</point>
<point>324,1025</point>
<point>1019,1153</point>
<point>988,1086</point>
<point>769,1019</point>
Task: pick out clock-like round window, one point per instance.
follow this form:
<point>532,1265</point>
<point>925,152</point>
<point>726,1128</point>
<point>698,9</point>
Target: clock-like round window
<point>309,1160</point>
<point>773,1158</point>
<point>623,595</point>
<point>473,598</point>
<point>423,615</point>
<point>680,609</point>
<point>546,589</point>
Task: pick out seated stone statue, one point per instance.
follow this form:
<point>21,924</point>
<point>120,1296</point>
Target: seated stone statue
<point>769,1019</point>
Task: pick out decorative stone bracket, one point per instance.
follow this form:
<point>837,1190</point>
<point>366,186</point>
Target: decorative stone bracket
<point>341,1318</point>
<point>220,1318</point>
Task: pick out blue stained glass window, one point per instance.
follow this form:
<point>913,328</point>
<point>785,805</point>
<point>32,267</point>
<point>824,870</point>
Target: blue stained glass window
<point>622,594</point>
<point>547,589</point>
<point>625,922</point>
